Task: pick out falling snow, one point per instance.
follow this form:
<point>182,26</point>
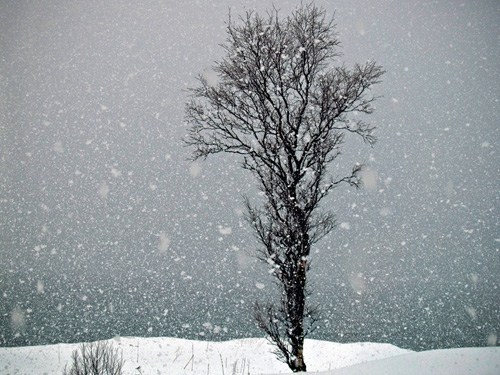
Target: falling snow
<point>107,223</point>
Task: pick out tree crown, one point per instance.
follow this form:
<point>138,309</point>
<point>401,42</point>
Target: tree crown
<point>281,103</point>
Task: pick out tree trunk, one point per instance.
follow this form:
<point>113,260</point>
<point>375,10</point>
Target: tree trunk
<point>301,365</point>
<point>298,313</point>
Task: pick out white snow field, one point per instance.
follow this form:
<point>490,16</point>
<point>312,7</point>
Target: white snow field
<point>162,356</point>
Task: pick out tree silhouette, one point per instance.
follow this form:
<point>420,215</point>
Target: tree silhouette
<point>281,103</point>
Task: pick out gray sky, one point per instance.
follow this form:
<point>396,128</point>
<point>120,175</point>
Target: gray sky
<point>106,228</point>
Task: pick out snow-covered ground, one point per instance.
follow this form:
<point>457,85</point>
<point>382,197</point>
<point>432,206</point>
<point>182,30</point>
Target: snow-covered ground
<point>163,356</point>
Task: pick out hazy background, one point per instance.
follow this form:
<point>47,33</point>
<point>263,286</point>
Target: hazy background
<point>106,229</point>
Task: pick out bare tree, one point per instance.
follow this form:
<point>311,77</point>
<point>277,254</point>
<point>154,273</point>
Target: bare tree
<point>281,103</point>
<point>96,358</point>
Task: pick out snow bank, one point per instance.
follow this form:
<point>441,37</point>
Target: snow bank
<point>162,356</point>
<point>464,361</point>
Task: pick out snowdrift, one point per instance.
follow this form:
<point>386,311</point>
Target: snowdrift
<point>162,356</point>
